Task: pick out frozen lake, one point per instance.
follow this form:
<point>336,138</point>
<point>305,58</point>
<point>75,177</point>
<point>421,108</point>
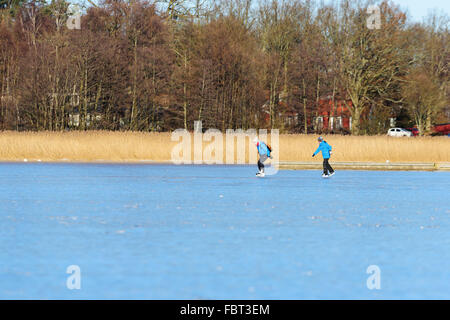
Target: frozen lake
<point>219,232</point>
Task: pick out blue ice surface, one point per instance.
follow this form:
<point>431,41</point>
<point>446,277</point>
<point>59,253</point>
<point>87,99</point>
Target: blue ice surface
<point>219,232</point>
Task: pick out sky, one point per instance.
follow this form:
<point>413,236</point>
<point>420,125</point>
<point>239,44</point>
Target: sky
<point>419,8</point>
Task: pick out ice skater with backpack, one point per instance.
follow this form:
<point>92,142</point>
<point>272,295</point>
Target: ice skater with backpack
<point>264,151</point>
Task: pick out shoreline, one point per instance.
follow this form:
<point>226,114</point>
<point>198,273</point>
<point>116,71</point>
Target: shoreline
<point>372,166</point>
<point>283,165</point>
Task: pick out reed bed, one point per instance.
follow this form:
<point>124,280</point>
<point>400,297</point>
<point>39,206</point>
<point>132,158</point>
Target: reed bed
<point>368,148</point>
<point>138,146</point>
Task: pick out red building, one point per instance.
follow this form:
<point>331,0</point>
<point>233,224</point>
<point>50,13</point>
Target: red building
<point>333,116</point>
<point>329,116</point>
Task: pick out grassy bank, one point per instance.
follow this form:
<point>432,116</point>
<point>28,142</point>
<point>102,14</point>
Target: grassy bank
<point>137,146</point>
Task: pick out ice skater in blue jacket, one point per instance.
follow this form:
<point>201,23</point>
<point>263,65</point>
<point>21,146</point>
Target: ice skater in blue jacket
<point>326,153</point>
<point>264,153</point>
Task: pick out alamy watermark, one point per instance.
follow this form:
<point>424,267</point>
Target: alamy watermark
<point>373,21</point>
<point>374,280</point>
<point>191,149</point>
<point>74,17</point>
<point>74,280</point>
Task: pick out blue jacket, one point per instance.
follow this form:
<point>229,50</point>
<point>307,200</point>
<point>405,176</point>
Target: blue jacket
<point>262,149</point>
<point>325,148</point>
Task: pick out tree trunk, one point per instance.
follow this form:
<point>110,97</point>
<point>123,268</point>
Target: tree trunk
<point>356,121</point>
<point>420,125</point>
<point>133,125</point>
<point>185,103</point>
<point>304,107</point>
<point>428,122</point>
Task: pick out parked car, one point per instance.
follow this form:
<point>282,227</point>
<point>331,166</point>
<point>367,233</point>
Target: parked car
<point>437,130</point>
<point>399,132</point>
<point>415,131</point>
<point>442,129</point>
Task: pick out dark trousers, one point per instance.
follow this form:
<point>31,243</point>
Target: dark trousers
<point>261,162</point>
<point>326,167</point>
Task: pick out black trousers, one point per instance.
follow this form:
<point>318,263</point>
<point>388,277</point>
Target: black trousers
<point>261,162</point>
<point>326,167</point>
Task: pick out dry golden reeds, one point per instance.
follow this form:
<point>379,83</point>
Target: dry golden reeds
<point>138,146</point>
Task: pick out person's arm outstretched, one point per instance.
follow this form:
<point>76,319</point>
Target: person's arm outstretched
<point>317,151</point>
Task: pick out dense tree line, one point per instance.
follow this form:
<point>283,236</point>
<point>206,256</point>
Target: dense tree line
<point>158,66</point>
